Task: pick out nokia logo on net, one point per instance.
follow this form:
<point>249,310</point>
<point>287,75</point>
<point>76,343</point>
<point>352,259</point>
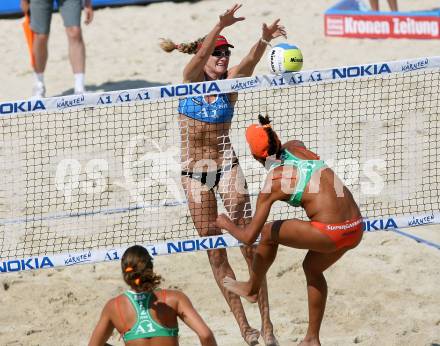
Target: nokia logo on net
<point>196,244</point>
<point>360,71</point>
<point>378,224</point>
<point>21,107</point>
<point>189,89</point>
<point>25,264</point>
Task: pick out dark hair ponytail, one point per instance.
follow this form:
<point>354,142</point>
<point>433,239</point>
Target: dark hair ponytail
<point>274,142</point>
<point>137,269</point>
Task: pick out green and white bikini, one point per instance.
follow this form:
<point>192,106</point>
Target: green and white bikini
<point>305,168</point>
<point>145,327</point>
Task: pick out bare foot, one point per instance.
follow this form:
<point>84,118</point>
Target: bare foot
<point>270,339</point>
<point>310,342</point>
<point>251,335</point>
<point>239,288</point>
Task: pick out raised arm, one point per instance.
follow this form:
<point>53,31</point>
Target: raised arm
<point>247,65</point>
<point>193,71</point>
<point>189,315</point>
<point>103,329</point>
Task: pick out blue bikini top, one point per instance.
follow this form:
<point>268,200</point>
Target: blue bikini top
<point>219,111</point>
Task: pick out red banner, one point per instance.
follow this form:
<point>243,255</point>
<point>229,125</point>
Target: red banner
<point>383,26</point>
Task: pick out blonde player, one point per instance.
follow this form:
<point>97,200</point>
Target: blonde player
<point>145,315</point>
<point>209,161</point>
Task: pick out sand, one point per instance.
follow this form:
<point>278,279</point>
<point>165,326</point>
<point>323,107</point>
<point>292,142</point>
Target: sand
<point>385,292</point>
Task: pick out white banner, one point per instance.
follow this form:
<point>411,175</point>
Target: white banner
<point>198,244</point>
<point>65,103</point>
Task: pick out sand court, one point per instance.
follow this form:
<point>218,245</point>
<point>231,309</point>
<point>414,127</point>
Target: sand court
<point>383,292</point>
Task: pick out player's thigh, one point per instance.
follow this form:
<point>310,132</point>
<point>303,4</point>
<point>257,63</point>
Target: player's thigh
<point>71,12</point>
<point>234,193</point>
<point>202,205</point>
<point>41,16</point>
<point>318,262</point>
<point>297,234</point>
<point>232,180</point>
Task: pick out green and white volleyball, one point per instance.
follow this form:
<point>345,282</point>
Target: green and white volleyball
<point>285,57</point>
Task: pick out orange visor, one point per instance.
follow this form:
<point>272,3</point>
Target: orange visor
<point>258,140</point>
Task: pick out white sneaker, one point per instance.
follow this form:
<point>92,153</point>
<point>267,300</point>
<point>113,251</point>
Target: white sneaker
<point>79,91</point>
<point>39,90</point>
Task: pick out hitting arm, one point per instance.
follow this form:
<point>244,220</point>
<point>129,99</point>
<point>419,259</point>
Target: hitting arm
<point>247,65</point>
<point>194,69</point>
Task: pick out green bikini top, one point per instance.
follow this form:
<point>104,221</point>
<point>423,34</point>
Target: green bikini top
<point>305,168</point>
<point>145,326</point>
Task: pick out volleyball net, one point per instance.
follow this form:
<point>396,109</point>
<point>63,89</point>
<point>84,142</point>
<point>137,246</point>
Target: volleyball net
<point>85,176</point>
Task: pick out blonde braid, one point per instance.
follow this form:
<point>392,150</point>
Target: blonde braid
<point>189,48</point>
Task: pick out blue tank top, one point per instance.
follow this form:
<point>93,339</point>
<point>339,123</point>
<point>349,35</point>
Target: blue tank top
<point>219,111</point>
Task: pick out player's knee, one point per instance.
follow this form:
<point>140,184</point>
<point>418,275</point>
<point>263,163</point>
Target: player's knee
<point>267,234</point>
<point>74,33</point>
<point>217,258</point>
<point>209,230</point>
<point>248,252</point>
<point>41,38</point>
<point>309,269</point>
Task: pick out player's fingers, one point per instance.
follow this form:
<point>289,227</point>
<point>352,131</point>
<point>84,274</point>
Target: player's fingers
<point>275,23</point>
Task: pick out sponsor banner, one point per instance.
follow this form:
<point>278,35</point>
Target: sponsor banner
<point>396,222</point>
<point>382,26</point>
<point>93,256</point>
<point>18,265</point>
<point>66,103</point>
<point>192,245</point>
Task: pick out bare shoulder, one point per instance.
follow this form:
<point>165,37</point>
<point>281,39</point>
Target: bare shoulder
<point>177,294</point>
<point>177,300</point>
<point>109,306</point>
<point>172,296</point>
<point>272,184</point>
<point>293,143</point>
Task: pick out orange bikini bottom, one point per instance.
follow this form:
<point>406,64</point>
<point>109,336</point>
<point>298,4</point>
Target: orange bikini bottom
<point>344,234</point>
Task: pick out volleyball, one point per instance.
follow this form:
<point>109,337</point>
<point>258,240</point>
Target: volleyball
<point>285,57</point>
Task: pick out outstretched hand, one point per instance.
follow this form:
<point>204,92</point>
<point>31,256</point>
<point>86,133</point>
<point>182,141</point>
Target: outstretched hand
<point>273,31</point>
<point>228,18</point>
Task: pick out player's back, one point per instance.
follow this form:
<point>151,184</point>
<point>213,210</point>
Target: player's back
<point>147,318</point>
